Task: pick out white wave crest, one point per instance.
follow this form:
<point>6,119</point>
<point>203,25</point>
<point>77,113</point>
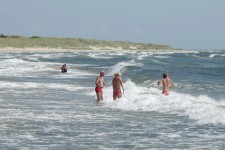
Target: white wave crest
<point>203,109</point>
<point>119,66</point>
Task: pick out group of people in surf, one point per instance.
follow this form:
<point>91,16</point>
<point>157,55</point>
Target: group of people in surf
<point>117,84</point>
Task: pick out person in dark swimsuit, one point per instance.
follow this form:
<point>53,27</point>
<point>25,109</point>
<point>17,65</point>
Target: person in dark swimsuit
<point>64,68</point>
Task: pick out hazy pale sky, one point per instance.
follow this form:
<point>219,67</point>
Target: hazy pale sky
<point>187,24</point>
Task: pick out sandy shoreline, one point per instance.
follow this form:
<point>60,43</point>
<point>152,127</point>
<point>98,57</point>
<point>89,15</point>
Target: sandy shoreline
<point>46,49</point>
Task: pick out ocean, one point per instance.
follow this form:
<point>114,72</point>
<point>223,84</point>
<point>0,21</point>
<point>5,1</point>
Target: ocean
<point>42,108</point>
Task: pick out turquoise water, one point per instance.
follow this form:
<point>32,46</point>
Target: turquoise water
<point>42,108</point>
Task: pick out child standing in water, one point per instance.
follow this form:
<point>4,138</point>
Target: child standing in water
<point>166,83</point>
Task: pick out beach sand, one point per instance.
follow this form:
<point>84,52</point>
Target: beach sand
<point>47,49</point>
<point>93,49</point>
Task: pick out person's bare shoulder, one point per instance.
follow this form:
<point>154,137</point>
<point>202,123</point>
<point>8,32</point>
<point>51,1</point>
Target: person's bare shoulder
<point>97,78</point>
<point>119,79</point>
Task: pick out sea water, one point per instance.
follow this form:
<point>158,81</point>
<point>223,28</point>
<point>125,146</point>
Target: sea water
<point>42,108</point>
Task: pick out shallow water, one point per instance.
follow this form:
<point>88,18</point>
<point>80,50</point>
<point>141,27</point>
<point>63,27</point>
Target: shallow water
<point>42,108</point>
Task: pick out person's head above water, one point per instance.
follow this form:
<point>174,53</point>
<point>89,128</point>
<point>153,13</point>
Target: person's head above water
<point>118,74</point>
<point>164,75</point>
<point>102,73</point>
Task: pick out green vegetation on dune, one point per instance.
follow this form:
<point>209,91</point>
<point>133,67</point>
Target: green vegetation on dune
<point>15,41</point>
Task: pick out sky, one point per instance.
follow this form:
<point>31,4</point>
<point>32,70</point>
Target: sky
<point>184,24</point>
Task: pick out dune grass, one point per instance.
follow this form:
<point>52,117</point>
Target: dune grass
<point>74,43</point>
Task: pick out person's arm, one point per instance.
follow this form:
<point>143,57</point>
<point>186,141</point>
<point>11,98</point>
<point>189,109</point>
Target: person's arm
<point>104,84</point>
<point>121,83</point>
<point>160,81</point>
<point>171,82</point>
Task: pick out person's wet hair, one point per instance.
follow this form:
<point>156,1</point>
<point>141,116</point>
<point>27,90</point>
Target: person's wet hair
<point>164,75</point>
<point>102,73</point>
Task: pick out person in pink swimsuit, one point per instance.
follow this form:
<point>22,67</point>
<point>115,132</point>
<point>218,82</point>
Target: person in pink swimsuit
<point>166,83</point>
<point>117,83</point>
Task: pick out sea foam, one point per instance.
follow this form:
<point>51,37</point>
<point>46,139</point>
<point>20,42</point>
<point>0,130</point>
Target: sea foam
<point>202,109</point>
